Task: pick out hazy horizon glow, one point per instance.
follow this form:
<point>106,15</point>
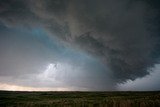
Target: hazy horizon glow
<point>10,87</point>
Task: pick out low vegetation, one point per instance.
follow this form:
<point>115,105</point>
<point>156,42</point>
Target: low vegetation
<point>79,99</point>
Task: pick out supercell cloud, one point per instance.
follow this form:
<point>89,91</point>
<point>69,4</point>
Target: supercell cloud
<point>120,37</point>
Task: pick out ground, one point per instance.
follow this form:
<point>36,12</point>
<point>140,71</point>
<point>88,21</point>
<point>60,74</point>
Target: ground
<point>79,99</point>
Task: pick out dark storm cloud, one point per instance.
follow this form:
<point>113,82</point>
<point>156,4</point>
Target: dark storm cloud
<point>120,33</point>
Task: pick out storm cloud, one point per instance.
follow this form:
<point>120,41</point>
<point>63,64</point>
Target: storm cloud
<point>121,34</point>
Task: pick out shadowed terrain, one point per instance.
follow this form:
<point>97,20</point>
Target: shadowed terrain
<point>79,99</point>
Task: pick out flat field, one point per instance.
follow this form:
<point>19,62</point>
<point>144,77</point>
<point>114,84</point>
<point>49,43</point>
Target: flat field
<point>79,99</point>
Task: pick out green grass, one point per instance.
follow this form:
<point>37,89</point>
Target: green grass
<point>79,99</point>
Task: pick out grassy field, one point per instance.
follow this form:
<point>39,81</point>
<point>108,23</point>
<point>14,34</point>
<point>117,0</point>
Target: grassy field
<point>79,99</point>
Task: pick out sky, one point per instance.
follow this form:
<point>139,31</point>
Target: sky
<point>80,45</point>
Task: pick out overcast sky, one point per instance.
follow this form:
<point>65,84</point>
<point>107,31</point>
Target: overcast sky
<point>82,45</point>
